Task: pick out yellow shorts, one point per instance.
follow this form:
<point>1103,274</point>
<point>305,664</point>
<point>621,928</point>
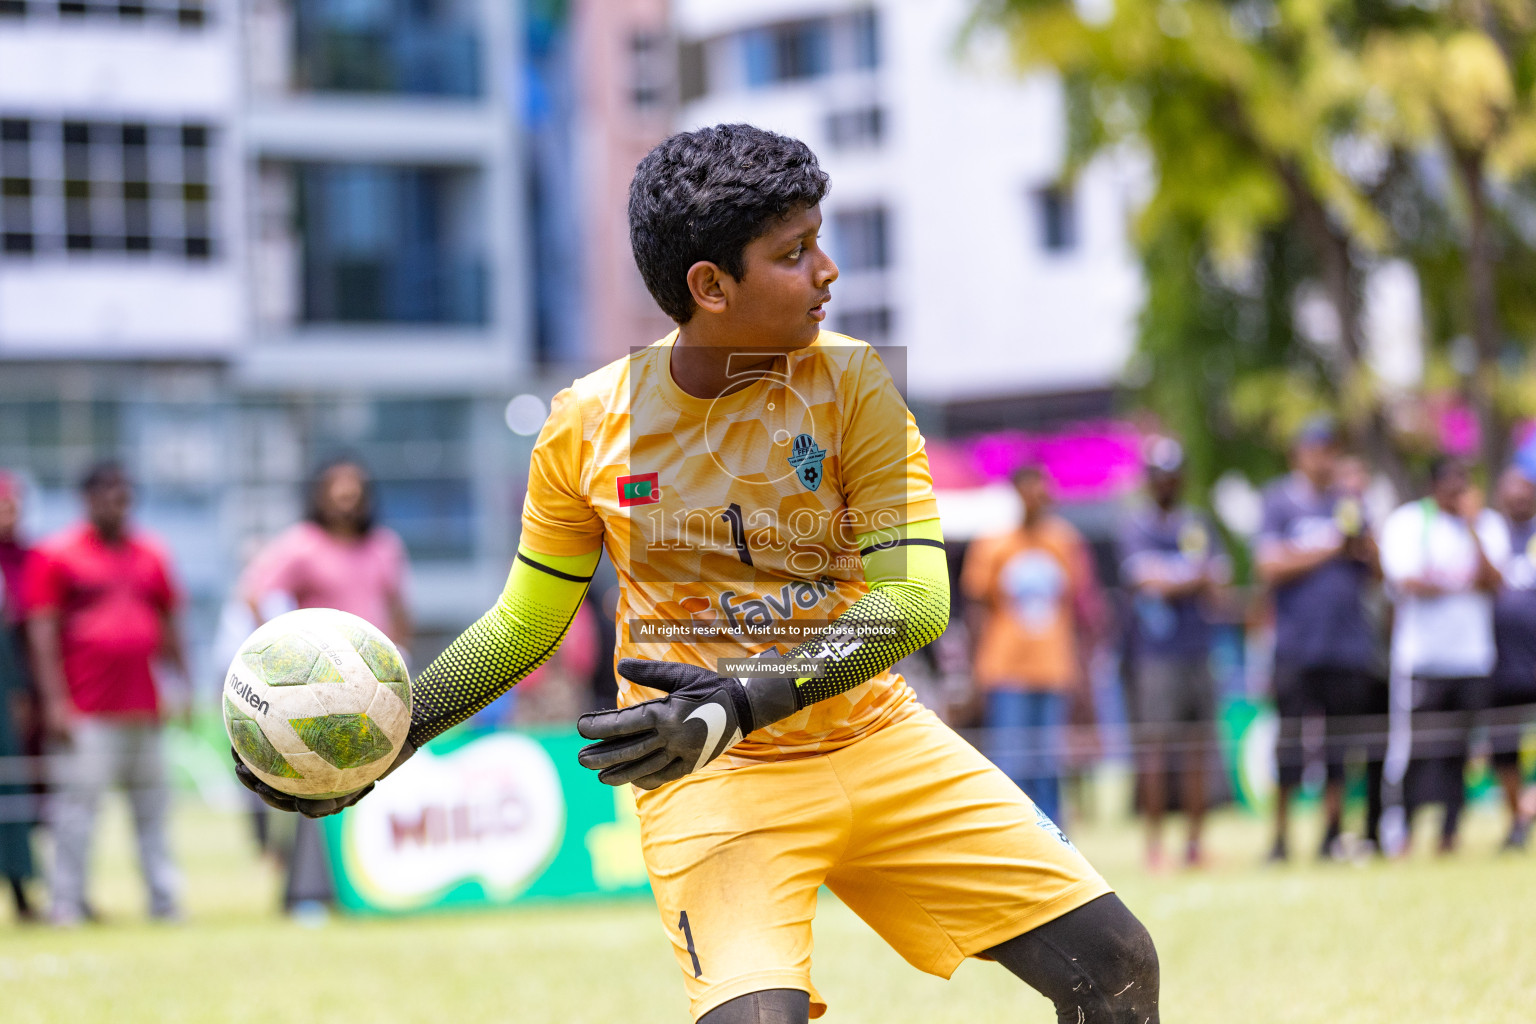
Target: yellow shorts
<point>909,826</point>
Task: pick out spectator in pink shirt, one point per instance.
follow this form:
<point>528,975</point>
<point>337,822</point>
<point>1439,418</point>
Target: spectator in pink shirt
<point>338,557</point>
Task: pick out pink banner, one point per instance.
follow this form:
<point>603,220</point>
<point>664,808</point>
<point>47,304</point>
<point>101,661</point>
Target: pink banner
<point>1087,462</point>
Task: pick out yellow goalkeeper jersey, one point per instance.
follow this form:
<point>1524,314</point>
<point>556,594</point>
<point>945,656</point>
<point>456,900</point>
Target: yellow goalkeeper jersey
<point>726,518</point>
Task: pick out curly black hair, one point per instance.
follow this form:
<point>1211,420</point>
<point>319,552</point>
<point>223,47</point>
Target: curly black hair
<point>703,195</point>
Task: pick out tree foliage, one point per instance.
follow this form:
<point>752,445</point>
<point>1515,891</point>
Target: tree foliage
<point>1295,147</point>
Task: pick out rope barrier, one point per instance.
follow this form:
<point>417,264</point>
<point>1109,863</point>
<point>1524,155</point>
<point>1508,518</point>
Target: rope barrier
<point>1433,734</point>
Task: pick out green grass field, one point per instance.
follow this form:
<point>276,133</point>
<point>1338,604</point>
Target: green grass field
<point>1422,940</point>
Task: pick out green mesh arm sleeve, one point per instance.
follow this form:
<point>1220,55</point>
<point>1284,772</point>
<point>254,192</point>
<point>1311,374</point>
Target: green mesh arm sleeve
<point>908,588</point>
<point>542,595</point>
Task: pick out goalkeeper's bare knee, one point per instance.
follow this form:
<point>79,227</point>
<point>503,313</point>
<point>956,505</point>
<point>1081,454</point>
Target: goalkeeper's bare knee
<point>771,1006</point>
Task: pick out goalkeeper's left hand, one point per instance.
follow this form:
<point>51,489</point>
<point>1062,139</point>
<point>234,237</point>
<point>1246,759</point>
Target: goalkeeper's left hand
<point>310,807</point>
<point>661,740</point>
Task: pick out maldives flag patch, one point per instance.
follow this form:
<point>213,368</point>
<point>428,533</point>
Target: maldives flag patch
<point>643,489</point>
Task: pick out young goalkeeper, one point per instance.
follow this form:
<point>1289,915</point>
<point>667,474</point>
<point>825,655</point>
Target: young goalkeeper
<point>751,475</point>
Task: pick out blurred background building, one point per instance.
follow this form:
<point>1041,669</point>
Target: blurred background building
<point>1012,295</point>
<point>946,218</point>
<point>240,237</point>
<point>388,290</point>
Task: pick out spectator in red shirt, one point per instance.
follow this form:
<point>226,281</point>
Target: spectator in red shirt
<point>16,797</point>
<point>100,610</point>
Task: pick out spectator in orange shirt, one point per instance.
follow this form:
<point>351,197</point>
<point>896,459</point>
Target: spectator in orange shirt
<point>1034,590</point>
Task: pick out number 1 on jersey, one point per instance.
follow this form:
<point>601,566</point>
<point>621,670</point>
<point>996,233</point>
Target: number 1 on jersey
<point>682,924</point>
<point>732,515</point>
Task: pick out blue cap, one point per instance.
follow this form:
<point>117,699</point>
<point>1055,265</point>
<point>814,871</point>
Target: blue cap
<point>1319,430</point>
<point>1525,459</point>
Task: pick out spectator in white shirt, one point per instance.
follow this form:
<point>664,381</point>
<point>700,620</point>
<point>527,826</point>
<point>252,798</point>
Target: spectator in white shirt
<point>1438,555</point>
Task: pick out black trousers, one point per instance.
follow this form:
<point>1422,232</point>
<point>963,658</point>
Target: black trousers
<point>1444,712</point>
<point>1511,709</point>
<point>1351,702</point>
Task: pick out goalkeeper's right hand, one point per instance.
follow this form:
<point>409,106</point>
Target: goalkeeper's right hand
<point>310,808</point>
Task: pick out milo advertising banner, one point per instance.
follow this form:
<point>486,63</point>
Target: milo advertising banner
<point>1248,731</point>
<point>483,819</point>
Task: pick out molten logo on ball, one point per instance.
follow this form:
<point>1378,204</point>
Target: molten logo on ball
<point>317,703</point>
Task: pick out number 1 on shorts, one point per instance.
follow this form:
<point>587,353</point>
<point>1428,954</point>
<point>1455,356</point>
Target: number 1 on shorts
<point>682,924</point>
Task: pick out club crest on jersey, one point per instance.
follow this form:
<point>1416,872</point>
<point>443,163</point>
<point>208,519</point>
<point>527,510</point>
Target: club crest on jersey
<point>642,489</point>
<point>805,458</point>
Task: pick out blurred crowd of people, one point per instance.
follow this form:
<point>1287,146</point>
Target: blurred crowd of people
<point>92,665</point>
<point>89,613</point>
<point>1395,644</point>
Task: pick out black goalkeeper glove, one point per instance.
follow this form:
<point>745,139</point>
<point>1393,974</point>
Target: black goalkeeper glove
<point>660,740</point>
<point>310,808</point>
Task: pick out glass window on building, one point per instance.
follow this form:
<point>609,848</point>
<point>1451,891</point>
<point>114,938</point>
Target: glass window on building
<point>872,325</point>
<point>391,244</point>
<point>181,13</point>
<point>116,187</point>
<point>651,55</point>
<point>1056,218</point>
<point>863,33</point>
<point>55,441</point>
<point>861,239</point>
<point>417,450</point>
<point>692,70</point>
<point>168,440</point>
<point>859,127</point>
<point>802,49</point>
<point>759,60</point>
<point>418,47</point>
<point>795,51</point>
<point>435,517</point>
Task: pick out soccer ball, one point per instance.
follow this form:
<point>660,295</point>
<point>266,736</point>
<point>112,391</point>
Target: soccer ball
<point>317,703</point>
